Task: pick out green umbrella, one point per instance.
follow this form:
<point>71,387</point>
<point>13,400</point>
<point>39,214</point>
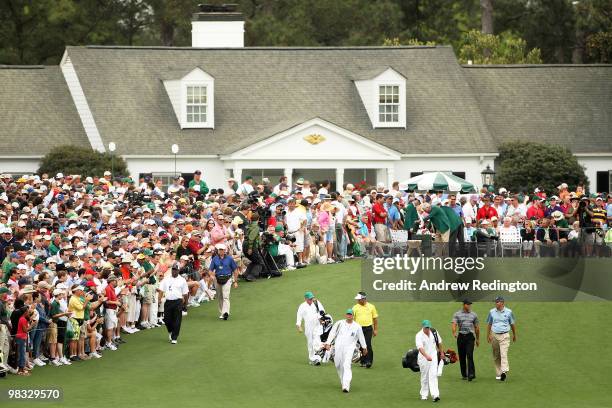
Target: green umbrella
<point>437,181</point>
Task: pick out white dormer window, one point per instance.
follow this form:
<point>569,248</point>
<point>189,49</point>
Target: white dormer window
<point>196,104</point>
<point>383,93</point>
<point>193,98</point>
<point>388,103</point>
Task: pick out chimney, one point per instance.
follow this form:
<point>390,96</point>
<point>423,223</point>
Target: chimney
<point>217,26</point>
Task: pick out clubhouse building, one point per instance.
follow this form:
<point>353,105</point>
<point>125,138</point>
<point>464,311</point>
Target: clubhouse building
<point>346,114</point>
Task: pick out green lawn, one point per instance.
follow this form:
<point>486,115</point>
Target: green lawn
<point>258,358</point>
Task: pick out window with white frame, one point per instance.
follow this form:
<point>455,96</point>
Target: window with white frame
<point>388,103</point>
<point>197,104</point>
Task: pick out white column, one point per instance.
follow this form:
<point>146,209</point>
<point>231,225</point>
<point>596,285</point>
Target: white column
<point>227,173</point>
<point>288,172</point>
<point>238,174</point>
<point>390,176</point>
<point>340,180</point>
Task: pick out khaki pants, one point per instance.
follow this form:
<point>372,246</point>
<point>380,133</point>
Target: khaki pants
<point>382,232</point>
<point>501,343</point>
<point>441,243</point>
<point>4,343</point>
<point>223,294</point>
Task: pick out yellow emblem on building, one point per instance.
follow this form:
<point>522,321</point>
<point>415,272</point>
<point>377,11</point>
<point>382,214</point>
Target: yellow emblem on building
<point>314,139</point>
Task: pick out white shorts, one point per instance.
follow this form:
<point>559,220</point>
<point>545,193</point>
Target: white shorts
<point>110,319</point>
<point>299,241</point>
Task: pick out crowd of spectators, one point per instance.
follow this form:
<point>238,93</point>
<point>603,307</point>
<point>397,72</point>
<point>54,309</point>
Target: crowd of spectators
<point>82,257</point>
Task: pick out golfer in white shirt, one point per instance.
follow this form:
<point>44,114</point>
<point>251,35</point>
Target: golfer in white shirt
<point>346,333</point>
<point>309,313</point>
<point>429,352</point>
<point>175,291</point>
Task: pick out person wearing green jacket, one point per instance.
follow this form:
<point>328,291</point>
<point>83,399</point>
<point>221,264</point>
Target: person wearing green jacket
<point>456,230</point>
<point>410,216</point>
<point>250,247</point>
<point>442,224</point>
<point>197,181</point>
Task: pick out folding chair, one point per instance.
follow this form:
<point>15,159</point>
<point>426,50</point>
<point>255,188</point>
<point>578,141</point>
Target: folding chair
<point>510,240</point>
<point>399,240</point>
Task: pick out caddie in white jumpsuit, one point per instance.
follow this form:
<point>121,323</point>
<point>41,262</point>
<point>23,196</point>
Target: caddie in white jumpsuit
<point>346,333</point>
<point>428,359</point>
<point>309,313</point>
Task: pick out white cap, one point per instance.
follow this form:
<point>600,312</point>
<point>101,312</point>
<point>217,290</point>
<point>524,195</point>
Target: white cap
<point>359,296</point>
<point>59,175</point>
<point>221,246</point>
<point>107,173</point>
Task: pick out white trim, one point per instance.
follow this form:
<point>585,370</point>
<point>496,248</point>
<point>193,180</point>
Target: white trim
<point>80,102</point>
<point>593,154</point>
<point>20,157</point>
<point>170,156</point>
<point>242,153</point>
<point>451,155</point>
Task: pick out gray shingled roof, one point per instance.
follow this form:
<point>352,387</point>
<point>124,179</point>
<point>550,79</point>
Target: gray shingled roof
<point>36,111</point>
<point>565,104</point>
<point>258,89</point>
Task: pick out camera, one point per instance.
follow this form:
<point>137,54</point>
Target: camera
<point>268,239</point>
<point>290,238</point>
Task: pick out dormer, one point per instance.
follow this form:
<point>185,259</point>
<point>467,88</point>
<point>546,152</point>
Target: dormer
<point>383,93</point>
<point>193,98</point>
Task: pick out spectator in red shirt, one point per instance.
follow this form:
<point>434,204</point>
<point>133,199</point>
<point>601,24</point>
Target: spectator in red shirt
<point>379,215</point>
<point>196,247</point>
<point>486,212</point>
<point>535,211</point>
<point>110,312</point>
<point>21,338</point>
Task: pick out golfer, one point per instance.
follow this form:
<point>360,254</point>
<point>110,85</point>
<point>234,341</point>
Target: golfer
<point>174,288</point>
<point>345,333</point>
<point>499,322</point>
<point>466,330</point>
<point>366,316</point>
<point>429,344</point>
<point>224,268</point>
<point>309,313</point>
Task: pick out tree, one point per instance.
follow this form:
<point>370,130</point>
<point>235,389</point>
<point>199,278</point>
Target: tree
<point>395,42</point>
<point>70,159</point>
<point>487,16</point>
<point>522,166</point>
<point>599,47</point>
<point>496,49</point>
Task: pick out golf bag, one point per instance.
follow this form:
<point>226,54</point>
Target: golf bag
<point>410,360</point>
<point>326,325</point>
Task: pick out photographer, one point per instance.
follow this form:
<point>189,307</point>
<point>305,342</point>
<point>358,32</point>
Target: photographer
<point>251,245</point>
<point>276,244</point>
